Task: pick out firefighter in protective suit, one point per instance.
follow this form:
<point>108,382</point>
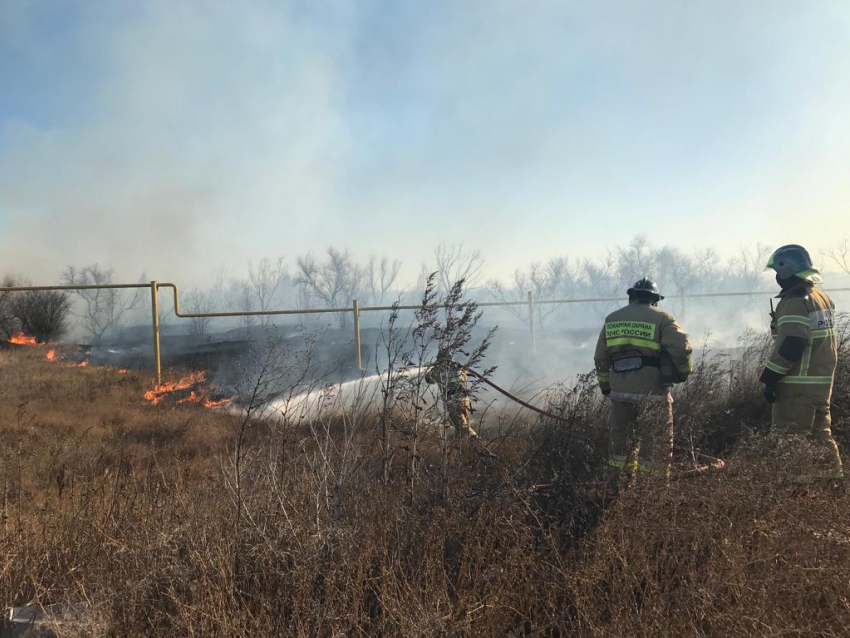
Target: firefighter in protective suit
<point>640,354</point>
<point>451,379</point>
<point>798,374</point>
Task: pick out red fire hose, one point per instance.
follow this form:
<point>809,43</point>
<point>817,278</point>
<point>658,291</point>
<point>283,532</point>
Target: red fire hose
<point>513,398</point>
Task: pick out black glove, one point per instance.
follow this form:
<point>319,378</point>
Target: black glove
<point>770,393</point>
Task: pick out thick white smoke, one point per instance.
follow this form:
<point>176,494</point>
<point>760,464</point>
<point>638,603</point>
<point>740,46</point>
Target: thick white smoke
<point>172,138</point>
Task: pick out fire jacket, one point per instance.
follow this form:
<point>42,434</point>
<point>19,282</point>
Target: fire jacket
<point>804,349</point>
<point>640,353</point>
<point>452,382</point>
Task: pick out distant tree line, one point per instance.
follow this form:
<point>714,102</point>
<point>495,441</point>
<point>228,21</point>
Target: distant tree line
<point>676,272</point>
<point>335,278</point>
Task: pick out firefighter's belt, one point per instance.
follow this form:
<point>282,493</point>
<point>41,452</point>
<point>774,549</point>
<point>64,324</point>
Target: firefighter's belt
<point>631,361</point>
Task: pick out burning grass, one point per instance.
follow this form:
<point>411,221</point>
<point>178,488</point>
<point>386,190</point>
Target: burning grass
<point>21,339</point>
<point>193,388</point>
<point>186,521</point>
<point>169,389</point>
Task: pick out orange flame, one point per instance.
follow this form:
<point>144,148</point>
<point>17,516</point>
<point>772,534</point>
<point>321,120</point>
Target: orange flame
<point>209,403</point>
<point>189,389</point>
<point>160,392</point>
<point>193,397</point>
<point>22,340</point>
<point>52,356</point>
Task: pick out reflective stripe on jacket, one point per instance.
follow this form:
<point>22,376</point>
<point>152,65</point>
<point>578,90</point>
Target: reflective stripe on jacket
<point>804,313</point>
<point>642,331</point>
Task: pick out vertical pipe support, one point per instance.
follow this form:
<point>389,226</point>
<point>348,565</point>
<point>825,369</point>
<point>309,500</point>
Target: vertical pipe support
<point>356,309</point>
<point>531,321</point>
<point>155,317</point>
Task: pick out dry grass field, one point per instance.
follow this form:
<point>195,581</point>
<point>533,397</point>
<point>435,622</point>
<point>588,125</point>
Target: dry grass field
<point>176,520</point>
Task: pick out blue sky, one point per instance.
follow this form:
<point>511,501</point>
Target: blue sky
<point>178,137</point>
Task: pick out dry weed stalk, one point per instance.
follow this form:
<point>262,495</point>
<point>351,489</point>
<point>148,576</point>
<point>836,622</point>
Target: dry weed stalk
<point>297,520</point>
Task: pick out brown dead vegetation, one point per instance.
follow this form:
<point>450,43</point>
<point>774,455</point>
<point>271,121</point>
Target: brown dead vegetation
<point>144,514</point>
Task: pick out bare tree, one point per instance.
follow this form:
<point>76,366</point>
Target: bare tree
<point>841,256</point>
<point>677,270</point>
<point>335,282</point>
<point>241,299</point>
<point>706,269</point>
<point>603,280</point>
<point>259,291</point>
<point>748,267</point>
<point>42,314</point>
<point>266,280</point>
<point>9,324</point>
<point>104,309</point>
<point>556,279</point>
<point>639,259</point>
<point>199,302</point>
<point>456,263</point>
<point>381,274</point>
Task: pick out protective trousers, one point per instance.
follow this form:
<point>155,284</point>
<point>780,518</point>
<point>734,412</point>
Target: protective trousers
<point>459,411</point>
<point>640,438</point>
<point>802,433</point>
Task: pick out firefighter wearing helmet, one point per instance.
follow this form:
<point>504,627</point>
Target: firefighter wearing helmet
<point>640,354</point>
<point>798,375</point>
<point>451,379</point>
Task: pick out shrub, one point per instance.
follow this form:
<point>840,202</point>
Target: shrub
<point>42,314</point>
<point>9,324</point>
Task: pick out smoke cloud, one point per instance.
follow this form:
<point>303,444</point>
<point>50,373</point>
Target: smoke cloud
<point>174,138</point>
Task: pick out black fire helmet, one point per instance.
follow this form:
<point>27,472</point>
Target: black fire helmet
<point>647,287</point>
